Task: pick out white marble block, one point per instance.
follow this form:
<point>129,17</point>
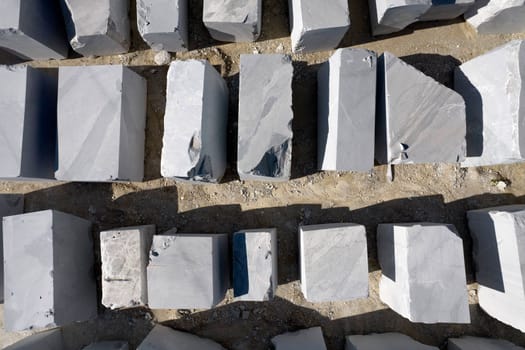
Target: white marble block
<point>109,102</point>
<point>389,16</point>
<point>497,16</point>
<point>423,272</point>
<point>188,271</point>
<point>334,262</point>
<point>255,264</point>
<point>195,123</point>
<point>49,270</point>
<point>108,345</point>
<point>165,338</point>
<point>390,341</point>
<point>446,9</point>
<point>305,339</point>
<point>124,253</point>
<point>46,340</point>
<point>475,343</point>
<point>10,204</point>
<point>495,105</point>
<point>233,20</point>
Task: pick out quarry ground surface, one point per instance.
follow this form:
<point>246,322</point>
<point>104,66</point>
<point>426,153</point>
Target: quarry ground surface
<point>436,193</point>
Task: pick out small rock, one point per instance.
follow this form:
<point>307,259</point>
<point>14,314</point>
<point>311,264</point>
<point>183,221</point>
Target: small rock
<point>162,57</point>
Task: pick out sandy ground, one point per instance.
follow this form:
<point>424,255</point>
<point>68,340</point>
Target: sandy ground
<point>438,193</point>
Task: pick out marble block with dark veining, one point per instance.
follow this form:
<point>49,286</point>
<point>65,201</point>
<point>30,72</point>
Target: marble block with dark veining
<point>475,343</point>
<point>46,340</point>
<point>264,149</point>
<point>10,204</point>
<point>233,20</point>
<point>305,339</point>
<point>165,338</point>
<point>390,341</point>
<point>497,16</point>
<point>108,345</point>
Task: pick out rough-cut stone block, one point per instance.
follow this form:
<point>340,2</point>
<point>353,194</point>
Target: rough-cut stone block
<point>47,340</point>
<point>318,25</point>
<point>418,119</point>
<point>446,9</point>
<point>188,271</point>
<point>498,236</point>
<point>109,102</point>
<point>49,278</point>
<point>10,204</point>
<point>233,20</point>
<point>423,272</point>
<point>390,341</point>
<point>33,29</point>
<point>334,262</point>
<point>389,16</point>
<point>255,264</point>
<point>97,27</point>
<point>195,123</point>
<point>125,253</point>
<point>305,339</point>
<point>165,338</point>
<point>346,111</point>
<point>108,345</point>
<point>28,122</point>
<point>475,343</point>
<point>265,116</point>
<point>163,24</point>
<point>495,105</point>
<point>497,17</point>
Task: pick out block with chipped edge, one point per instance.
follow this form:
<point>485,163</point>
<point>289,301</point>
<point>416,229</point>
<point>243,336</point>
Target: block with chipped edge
<point>10,204</point>
<point>476,343</point>
<point>233,20</point>
<point>46,340</point>
<point>390,341</point>
<point>108,345</point>
<point>497,17</point>
<point>305,339</point>
<point>165,338</point>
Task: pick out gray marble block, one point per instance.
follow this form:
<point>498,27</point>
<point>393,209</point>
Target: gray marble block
<point>318,25</point>
<point>10,204</point>
<point>255,264</point>
<point>390,16</point>
<point>165,338</point>
<point>418,119</point>
<point>333,262</point>
<point>33,29</point>
<point>108,345</point>
<point>28,122</point>
<point>188,271</point>
<point>390,341</point>
<point>97,27</point>
<point>49,277</point>
<point>497,17</point>
<point>124,253</point>
<point>195,123</point>
<point>475,343</point>
<point>163,24</point>
<point>47,340</point>
<point>109,102</point>
<point>346,111</point>
<point>233,20</point>
<point>264,148</point>
<point>423,272</point>
<point>305,339</point>
<point>446,9</point>
<point>498,236</point>
<point>495,105</point>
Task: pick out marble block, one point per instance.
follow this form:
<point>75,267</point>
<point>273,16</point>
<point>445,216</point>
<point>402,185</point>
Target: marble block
<point>33,29</point>
<point>497,17</point>
<point>108,345</point>
<point>390,341</point>
<point>318,25</point>
<point>418,119</point>
<point>305,339</point>
<point>124,253</point>
<point>195,123</point>
<point>446,9</point>
<point>97,27</point>
<point>233,20</point>
<point>390,16</point>
<point>495,105</point>
<point>163,24</point>
<point>423,272</point>
<point>255,264</point>
<point>333,262</point>
<point>188,271</point>
<point>49,270</point>
<point>28,122</point>
<point>47,340</point>
<point>475,343</point>
<point>346,111</point>
<point>110,104</point>
<point>10,204</point>
<point>265,116</point>
<point>165,338</point>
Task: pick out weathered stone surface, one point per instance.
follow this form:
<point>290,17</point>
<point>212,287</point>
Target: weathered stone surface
<point>495,105</point>
<point>334,262</point>
<point>265,115</point>
<point>125,253</point>
<point>346,111</point>
<point>317,25</point>
<point>28,122</point>
<point>390,16</point>
<point>188,271</point>
<point>108,345</point>
<point>446,9</point>
<point>418,119</point>
<point>195,123</point>
<point>390,341</point>
<point>305,339</point>
<point>49,279</point>
<point>255,264</point>
<point>475,343</point>
<point>47,340</point>
<point>423,272</point>
<point>233,20</point>
<point>110,104</point>
<point>10,204</point>
<point>165,338</point>
<point>163,24</point>
<point>497,17</point>
<point>33,29</point>
<point>97,27</point>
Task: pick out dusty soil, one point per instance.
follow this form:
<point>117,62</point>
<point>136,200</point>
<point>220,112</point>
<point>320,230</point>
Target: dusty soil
<point>438,193</point>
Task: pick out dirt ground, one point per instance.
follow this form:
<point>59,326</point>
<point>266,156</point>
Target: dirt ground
<point>437,193</point>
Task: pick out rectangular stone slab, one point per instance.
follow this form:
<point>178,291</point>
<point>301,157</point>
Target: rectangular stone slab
<point>446,9</point>
<point>264,149</point>
<point>10,204</point>
<point>475,343</point>
<point>233,20</point>
<point>108,345</point>
<point>390,341</point>
<point>497,17</point>
<point>164,338</point>
<point>305,339</point>
<point>390,16</point>
<point>47,340</point>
